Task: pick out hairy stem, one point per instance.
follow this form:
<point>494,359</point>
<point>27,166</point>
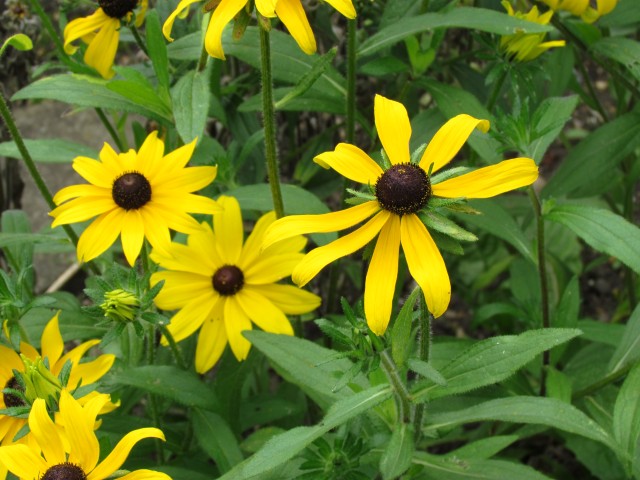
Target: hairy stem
<point>424,351</point>
<point>403,397</point>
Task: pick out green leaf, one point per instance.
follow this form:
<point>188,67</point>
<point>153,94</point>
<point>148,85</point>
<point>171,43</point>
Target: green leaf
<point>626,416</point>
<point>314,369</point>
<point>427,371</point>
<point>601,229</point>
<point>442,224</point>
<point>628,350</point>
<point>558,385</point>
<point>216,439</point>
<point>169,382</point>
<point>464,17</point>
<point>157,48</point>
<point>587,169</point>
<point>52,150</point>
<point>19,41</point>
<point>396,458</point>
<point>549,120</point>
<point>85,91</point>
<point>15,225</point>
<point>622,50</point>
<point>401,344</point>
<point>535,410</point>
<point>282,448</point>
<point>492,360</point>
<point>190,98</point>
<point>453,468</point>
<point>485,447</point>
<point>138,89</point>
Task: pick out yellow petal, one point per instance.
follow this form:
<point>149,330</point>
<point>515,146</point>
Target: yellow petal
<point>394,129</point>
<point>102,50</point>
<point>45,433</point>
<point>150,156</point>
<point>293,225</point>
<point>158,234</point>
<point>119,454</point>
<point>192,316</point>
<point>81,209</point>
<point>221,16</point>
<point>211,343</point>
<point>381,277</point>
<point>291,300</point>
<point>168,24</point>
<point>267,8</point>
<point>190,203</point>
<point>229,230</point>
<point>145,475</point>
<point>189,179</point>
<point>73,191</point>
<point>185,259</point>
<point>425,264</point>
<point>345,7</point>
<point>132,235</point>
<point>317,259</point>
<point>263,313</point>
<point>292,15</point>
<point>90,372</point>
<point>52,345</point>
<point>489,181</point>
<point>352,163</point>
<point>180,288</point>
<point>22,461</point>
<point>449,140</point>
<point>271,268</point>
<point>9,360</point>
<point>100,235</point>
<point>94,171</point>
<point>84,446</point>
<point>606,6</point>
<point>253,245</point>
<point>236,321</point>
<point>81,27</point>
<point>172,217</point>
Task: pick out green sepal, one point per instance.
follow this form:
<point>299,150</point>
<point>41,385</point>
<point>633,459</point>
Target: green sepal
<point>442,224</point>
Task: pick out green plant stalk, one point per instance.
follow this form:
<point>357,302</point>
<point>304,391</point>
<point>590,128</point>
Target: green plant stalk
<point>175,349</point>
<point>544,288</point>
<point>153,402</point>
<point>202,61</point>
<point>592,92</point>
<point>351,79</point>
<point>112,131</point>
<point>403,397</point>
<point>603,382</point>
<point>31,166</point>
<point>136,35</point>
<point>268,119</point>
<point>497,88</point>
<point>424,351</point>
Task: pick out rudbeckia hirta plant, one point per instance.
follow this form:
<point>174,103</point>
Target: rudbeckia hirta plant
<point>584,8</point>
<point>136,195</point>
<point>101,32</point>
<point>69,449</point>
<point>401,192</point>
<point>525,47</point>
<point>290,12</point>
<point>52,349</point>
<point>221,285</point>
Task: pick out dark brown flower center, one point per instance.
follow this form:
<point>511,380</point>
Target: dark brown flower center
<point>131,191</point>
<point>117,8</point>
<point>404,188</point>
<point>64,471</point>
<point>228,280</point>
<point>11,400</point>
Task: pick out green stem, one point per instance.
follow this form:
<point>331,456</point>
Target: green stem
<point>268,118</point>
<point>352,25</point>
<point>139,41</point>
<point>31,166</point>
<point>202,61</point>
<point>424,350</point>
<point>153,402</point>
<point>112,131</point>
<point>544,289</point>
<point>592,92</point>
<point>497,88</point>
<point>175,349</point>
<point>594,387</point>
<point>403,397</point>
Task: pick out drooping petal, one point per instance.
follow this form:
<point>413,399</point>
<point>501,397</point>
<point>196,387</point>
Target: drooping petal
<point>489,181</point>
<point>263,313</point>
<point>81,27</point>
<point>90,372</point>
<point>449,140</point>
<point>352,163</point>
<point>345,7</point>
<point>132,235</point>
<point>267,8</point>
<point>394,129</point>
<point>212,340</point>
<point>293,225</point>
<point>221,16</point>
<point>119,454</point>
<point>381,277</point>
<point>102,50</point>
<point>84,446</point>
<point>52,345</point>
<point>606,6</point>
<point>295,19</point>
<point>425,264</point>
<point>45,432</point>
<point>236,321</point>
<point>168,24</point>
<point>229,230</point>
<point>320,257</point>
<point>100,235</point>
<point>288,298</point>
<point>22,461</point>
<point>145,475</point>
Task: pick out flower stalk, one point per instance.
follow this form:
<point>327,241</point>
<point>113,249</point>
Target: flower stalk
<point>403,397</point>
<point>424,351</point>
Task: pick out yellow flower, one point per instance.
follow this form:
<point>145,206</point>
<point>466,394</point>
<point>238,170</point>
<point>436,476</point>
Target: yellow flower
<point>290,12</point>
<point>401,192</point>
<point>221,286</point>
<point>52,348</point>
<point>582,8</point>
<point>70,450</point>
<point>528,46</point>
<point>101,32</point>
<point>135,195</point>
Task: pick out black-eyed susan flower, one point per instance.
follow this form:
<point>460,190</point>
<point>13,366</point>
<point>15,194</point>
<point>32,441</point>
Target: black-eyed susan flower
<point>290,12</point>
<point>401,192</point>
<point>583,8</point>
<point>221,285</point>
<point>101,32</point>
<point>52,349</point>
<point>135,195</point>
<point>68,449</point>
<point>525,47</point>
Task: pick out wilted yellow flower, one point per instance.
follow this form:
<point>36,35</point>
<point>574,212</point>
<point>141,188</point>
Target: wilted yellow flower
<point>583,8</point>
<point>528,46</point>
